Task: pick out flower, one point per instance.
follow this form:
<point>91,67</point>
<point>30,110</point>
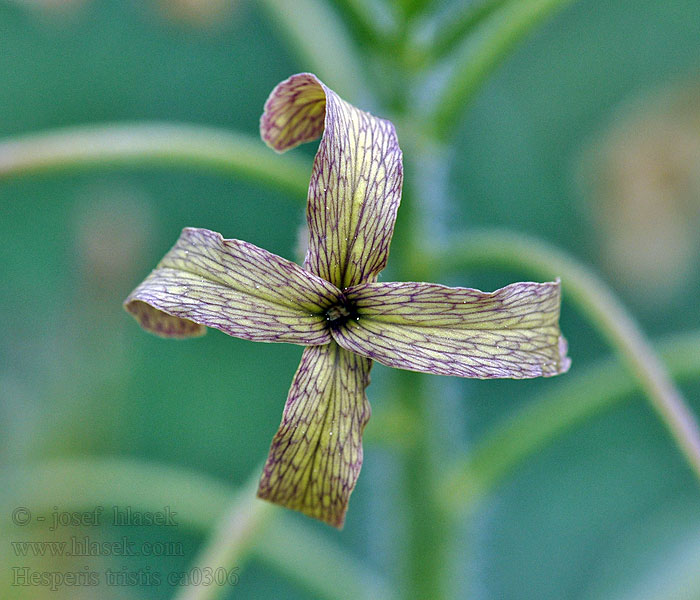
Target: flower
<point>334,306</point>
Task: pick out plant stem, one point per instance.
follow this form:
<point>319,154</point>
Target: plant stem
<point>456,23</point>
<point>505,28</point>
<point>582,394</point>
<point>428,529</point>
<point>322,41</point>
<point>599,304</point>
<point>230,540</point>
<point>153,144</point>
<point>361,20</point>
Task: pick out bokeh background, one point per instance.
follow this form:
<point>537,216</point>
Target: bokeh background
<point>588,137</point>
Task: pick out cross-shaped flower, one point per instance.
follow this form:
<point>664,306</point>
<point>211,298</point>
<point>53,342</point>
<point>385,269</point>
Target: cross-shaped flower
<point>334,306</point>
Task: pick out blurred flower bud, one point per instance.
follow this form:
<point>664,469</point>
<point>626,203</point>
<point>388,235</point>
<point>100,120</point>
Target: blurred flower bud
<point>200,13</point>
<point>643,182</point>
<point>112,232</point>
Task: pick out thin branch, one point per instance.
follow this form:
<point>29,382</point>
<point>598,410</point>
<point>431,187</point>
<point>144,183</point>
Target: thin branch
<point>153,144</point>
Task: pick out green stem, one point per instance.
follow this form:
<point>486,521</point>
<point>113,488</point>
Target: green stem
<point>303,556</point>
<point>231,539</point>
<point>361,20</point>
<point>504,30</point>
<point>321,40</point>
<point>599,304</point>
<point>428,529</point>
<point>429,533</point>
<point>456,23</point>
<point>582,394</point>
<point>153,144</point>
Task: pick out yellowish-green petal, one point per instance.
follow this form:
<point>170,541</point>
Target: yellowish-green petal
<point>316,455</point>
<point>355,186</point>
<point>234,286</point>
<point>510,333</point>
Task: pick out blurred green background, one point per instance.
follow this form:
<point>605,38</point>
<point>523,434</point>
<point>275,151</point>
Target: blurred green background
<point>588,136</point>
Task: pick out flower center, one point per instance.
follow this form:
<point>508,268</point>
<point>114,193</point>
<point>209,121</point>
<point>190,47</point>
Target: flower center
<point>338,315</point>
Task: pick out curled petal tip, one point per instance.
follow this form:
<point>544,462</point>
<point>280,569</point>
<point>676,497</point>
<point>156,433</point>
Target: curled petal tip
<point>294,112</point>
<point>161,323</point>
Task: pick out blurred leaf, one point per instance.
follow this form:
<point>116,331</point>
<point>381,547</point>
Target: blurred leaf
<point>457,21</point>
<point>656,557</point>
<point>601,307</point>
<point>84,483</point>
<point>304,556</point>
<point>147,144</point>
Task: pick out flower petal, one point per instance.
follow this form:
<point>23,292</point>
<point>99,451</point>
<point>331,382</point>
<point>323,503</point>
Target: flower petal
<point>355,186</point>
<point>316,455</point>
<point>234,286</point>
<point>512,332</point>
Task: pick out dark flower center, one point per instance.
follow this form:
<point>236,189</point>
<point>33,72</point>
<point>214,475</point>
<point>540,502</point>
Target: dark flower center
<point>338,315</point>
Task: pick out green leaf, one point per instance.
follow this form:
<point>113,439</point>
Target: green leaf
<point>153,144</point>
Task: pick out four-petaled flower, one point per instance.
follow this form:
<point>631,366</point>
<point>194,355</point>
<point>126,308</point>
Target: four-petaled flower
<point>335,307</point>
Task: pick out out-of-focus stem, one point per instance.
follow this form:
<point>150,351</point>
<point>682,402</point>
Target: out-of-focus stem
<point>81,484</point>
<point>429,534</point>
<point>426,564</point>
<point>579,396</point>
<point>153,144</point>
<point>323,42</point>
<point>599,304</point>
<point>505,28</point>
<point>230,541</point>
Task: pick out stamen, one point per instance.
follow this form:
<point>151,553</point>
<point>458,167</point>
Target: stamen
<point>338,315</point>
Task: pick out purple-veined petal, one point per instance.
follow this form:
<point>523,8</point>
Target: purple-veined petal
<point>316,455</point>
<point>355,186</point>
<point>234,286</point>
<point>512,332</point>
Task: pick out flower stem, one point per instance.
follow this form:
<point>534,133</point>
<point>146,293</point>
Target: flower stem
<point>605,311</point>
<point>153,144</point>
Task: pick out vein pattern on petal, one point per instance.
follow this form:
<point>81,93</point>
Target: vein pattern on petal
<point>355,187</point>
<point>512,332</point>
<point>316,455</point>
<point>234,286</point>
